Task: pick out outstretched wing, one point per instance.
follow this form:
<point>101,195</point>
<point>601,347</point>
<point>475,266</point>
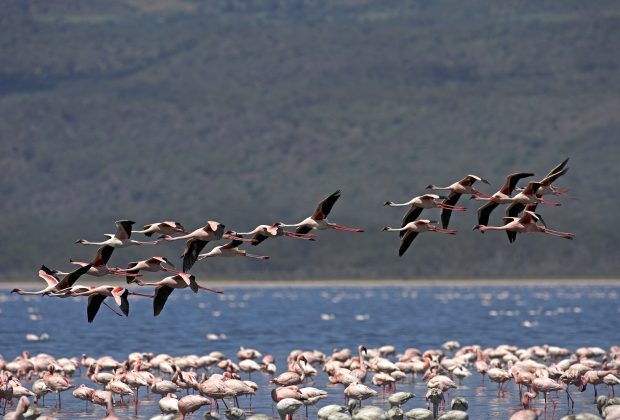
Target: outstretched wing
<point>191,251</point>
<point>558,168</point>
<point>70,279</point>
<point>445,213</point>
<point>406,241</point>
<point>123,229</point>
<point>103,256</point>
<point>513,211</point>
<point>484,212</point>
<point>412,214</point>
<point>161,296</point>
<point>258,238</point>
<point>94,303</point>
<point>511,181</point>
<point>325,206</point>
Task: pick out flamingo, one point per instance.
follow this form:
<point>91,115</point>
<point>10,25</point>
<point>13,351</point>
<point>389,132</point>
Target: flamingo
<point>231,250</point>
<point>18,414</point>
<point>287,407</point>
<point>99,265</point>
<point>360,372</point>
<point>500,197</point>
<point>546,188</point>
<point>262,232</point>
<point>56,383</point>
<point>359,392</point>
<point>151,265</point>
<point>544,385</point>
<point>412,229</point>
<point>197,240</point>
<point>464,186</point>
<point>169,404</point>
<point>289,377</point>
<point>318,220</point>
<point>166,286</point>
<point>121,239</point>
<point>426,201</point>
<point>168,227</point>
<point>53,284</point>
<point>525,224</point>
<point>97,295</point>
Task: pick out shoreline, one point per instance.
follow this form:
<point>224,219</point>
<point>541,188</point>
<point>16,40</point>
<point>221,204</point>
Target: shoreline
<point>10,284</point>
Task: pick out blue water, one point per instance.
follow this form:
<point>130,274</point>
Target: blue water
<point>280,319</point>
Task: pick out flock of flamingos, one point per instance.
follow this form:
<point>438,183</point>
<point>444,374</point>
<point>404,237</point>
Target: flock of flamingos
<point>211,379</point>
<point>521,217</point>
<point>540,369</point>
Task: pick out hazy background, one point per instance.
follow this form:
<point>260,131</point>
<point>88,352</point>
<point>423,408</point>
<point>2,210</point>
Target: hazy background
<point>250,112</point>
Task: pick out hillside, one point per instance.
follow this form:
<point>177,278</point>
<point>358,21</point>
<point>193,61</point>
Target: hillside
<point>251,112</point>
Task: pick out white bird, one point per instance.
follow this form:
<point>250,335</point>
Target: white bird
<point>318,220</point>
<point>168,227</point>
<point>412,230</point>
<point>121,239</point>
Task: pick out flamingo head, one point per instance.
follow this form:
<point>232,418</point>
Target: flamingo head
<point>385,228</point>
<point>387,203</point>
<point>80,241</point>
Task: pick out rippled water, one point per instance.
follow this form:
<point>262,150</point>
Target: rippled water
<point>278,320</point>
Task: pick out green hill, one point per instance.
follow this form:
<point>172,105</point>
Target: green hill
<point>250,112</point>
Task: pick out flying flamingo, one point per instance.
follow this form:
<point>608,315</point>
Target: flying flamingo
<point>412,229</point>
<point>525,224</point>
<point>197,240</point>
<point>169,227</point>
<point>500,197</point>
<point>546,188</point>
<point>426,201</point>
<point>53,284</point>
<point>464,186</point>
<point>121,239</point>
<point>166,286</point>
<point>231,250</point>
<point>318,220</point>
<point>152,265</point>
<point>97,295</point>
<point>262,232</point>
<point>99,264</point>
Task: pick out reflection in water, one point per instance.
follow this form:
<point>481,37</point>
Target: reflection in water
<point>278,320</point>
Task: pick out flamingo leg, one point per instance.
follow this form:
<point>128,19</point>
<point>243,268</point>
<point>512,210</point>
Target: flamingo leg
<point>258,257</point>
<point>210,290</point>
<point>345,228</point>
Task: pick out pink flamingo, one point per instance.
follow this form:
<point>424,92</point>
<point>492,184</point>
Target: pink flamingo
<point>544,385</point>
<point>121,239</point>
<point>318,220</point>
<point>413,229</point>
<point>53,284</point>
<point>152,265</point>
<point>231,250</point>
<point>56,383</point>
<point>525,224</point>
<point>464,186</point>
<point>262,232</point>
<point>99,267</point>
<point>166,286</point>
<point>500,197</point>
<point>197,240</point>
<point>168,227</point>
<point>426,201</point>
<point>97,295</point>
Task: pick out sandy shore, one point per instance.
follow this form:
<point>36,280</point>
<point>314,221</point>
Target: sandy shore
<point>10,284</point>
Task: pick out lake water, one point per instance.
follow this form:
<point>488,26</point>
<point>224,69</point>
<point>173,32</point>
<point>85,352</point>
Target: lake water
<point>277,320</point>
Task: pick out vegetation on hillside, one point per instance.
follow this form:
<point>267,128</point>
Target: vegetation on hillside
<point>249,112</point>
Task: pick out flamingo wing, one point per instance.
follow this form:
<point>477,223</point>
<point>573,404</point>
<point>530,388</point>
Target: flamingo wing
<point>558,168</point>
<point>94,303</point>
<point>161,296</point>
<point>50,279</point>
<point>549,179</point>
<point>484,212</point>
<point>103,256</point>
<point>325,206</point>
<point>122,301</point>
<point>70,279</point>
<point>258,238</point>
<point>406,242</point>
<point>445,213</point>
<point>513,211</point>
<point>190,253</point>
<point>303,229</point>
<point>511,181</point>
<point>412,214</point>
<point>123,229</point>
